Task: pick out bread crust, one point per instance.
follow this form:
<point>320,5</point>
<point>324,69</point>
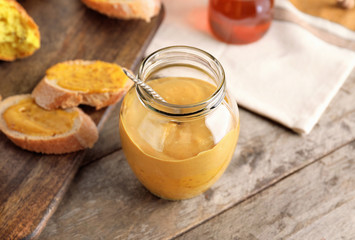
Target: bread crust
<point>30,23</point>
<point>49,95</point>
<point>83,135</point>
<point>134,9</point>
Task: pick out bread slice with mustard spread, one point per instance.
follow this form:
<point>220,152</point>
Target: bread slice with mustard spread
<point>94,83</point>
<point>52,132</point>
<point>19,34</point>
<point>126,9</point>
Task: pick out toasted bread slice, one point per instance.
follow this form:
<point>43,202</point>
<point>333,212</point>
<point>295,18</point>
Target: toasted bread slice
<point>82,131</point>
<point>126,9</point>
<point>80,85</point>
<point>19,36</point>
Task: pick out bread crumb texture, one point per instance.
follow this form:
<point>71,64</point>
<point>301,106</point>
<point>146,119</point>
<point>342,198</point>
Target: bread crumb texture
<point>126,9</point>
<point>89,77</point>
<point>19,34</point>
<point>28,118</point>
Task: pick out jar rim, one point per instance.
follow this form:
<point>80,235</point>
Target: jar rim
<point>187,109</point>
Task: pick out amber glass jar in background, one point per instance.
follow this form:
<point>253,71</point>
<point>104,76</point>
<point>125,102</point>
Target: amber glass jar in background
<point>240,21</point>
<point>178,149</point>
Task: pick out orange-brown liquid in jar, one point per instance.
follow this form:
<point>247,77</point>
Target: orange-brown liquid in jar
<point>177,159</point>
<point>240,21</point>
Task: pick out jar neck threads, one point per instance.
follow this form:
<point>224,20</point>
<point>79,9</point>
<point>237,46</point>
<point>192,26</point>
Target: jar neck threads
<point>182,61</point>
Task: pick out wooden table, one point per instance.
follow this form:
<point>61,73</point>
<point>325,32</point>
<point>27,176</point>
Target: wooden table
<point>32,185</point>
<point>279,185</point>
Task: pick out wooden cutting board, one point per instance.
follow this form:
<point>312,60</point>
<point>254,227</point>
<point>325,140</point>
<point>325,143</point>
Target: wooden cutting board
<point>31,184</point>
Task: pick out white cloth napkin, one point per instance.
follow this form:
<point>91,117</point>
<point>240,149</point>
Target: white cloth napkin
<point>289,75</point>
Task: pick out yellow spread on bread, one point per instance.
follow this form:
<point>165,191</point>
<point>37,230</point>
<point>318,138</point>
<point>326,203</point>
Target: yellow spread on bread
<point>19,35</point>
<point>28,118</point>
<point>95,77</point>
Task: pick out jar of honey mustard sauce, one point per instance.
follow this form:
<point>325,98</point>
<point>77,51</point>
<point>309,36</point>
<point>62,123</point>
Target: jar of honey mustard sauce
<point>179,148</point>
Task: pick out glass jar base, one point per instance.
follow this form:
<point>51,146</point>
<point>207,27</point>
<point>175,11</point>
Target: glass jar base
<point>239,34</point>
<point>240,21</point>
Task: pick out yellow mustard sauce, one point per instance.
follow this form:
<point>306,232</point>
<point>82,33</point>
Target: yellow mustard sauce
<point>97,77</point>
<point>28,118</point>
<point>175,160</point>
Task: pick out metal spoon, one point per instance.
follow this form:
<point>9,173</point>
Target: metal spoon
<point>142,84</point>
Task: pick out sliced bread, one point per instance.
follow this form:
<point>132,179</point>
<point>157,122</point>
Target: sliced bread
<point>126,9</point>
<point>19,34</point>
<point>71,83</point>
<point>35,129</point>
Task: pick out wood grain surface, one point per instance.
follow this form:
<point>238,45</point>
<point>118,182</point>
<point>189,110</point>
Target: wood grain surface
<point>106,201</point>
<point>31,185</point>
<point>317,202</point>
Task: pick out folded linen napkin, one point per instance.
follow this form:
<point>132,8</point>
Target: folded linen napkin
<point>290,75</point>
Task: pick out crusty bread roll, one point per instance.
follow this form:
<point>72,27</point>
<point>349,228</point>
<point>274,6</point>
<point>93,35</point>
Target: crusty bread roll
<point>126,9</point>
<point>49,95</point>
<point>83,133</point>
<point>19,34</point>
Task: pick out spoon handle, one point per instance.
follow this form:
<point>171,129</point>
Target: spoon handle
<point>142,84</point>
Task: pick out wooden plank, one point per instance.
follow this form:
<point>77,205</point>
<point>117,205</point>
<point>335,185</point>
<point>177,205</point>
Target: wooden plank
<point>28,195</point>
<point>31,185</point>
<point>107,201</point>
<point>109,138</point>
<point>317,202</point>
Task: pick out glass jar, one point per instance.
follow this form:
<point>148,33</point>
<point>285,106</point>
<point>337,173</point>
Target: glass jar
<point>178,149</point>
<point>240,21</point>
